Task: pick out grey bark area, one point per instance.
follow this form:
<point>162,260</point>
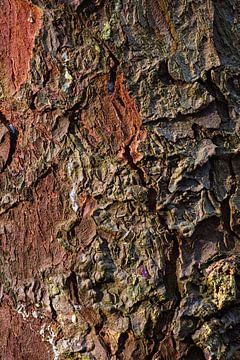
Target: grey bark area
<point>119,184</point>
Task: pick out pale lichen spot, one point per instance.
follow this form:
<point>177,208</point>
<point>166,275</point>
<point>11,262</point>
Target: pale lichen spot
<point>106,32</point>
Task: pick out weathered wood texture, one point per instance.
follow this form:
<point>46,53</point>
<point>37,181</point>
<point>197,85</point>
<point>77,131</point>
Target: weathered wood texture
<point>119,184</point>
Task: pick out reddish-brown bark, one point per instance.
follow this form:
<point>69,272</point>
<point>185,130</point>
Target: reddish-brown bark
<point>113,119</point>
<point>20,20</point>
<point>20,336</point>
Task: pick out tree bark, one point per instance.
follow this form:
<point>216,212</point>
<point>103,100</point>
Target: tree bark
<point>119,161</point>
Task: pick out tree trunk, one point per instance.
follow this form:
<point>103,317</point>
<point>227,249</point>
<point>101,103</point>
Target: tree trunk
<point>119,160</point>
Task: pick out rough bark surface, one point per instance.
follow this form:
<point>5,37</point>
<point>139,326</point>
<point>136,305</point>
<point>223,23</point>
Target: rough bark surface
<point>119,184</point>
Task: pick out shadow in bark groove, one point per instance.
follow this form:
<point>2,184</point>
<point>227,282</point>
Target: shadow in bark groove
<point>13,133</point>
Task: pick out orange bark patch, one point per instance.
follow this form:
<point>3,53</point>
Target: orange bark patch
<point>113,119</point>
<point>19,22</point>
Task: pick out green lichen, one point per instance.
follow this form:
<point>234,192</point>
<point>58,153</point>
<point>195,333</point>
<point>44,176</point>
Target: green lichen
<point>97,48</point>
<point>106,32</point>
<point>223,285</point>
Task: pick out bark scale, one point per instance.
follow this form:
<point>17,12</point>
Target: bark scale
<point>119,160</point>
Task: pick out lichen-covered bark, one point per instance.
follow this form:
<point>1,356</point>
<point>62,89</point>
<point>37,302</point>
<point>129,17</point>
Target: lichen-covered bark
<point>120,168</point>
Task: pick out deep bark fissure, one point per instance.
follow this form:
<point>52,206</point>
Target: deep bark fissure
<point>13,134</point>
